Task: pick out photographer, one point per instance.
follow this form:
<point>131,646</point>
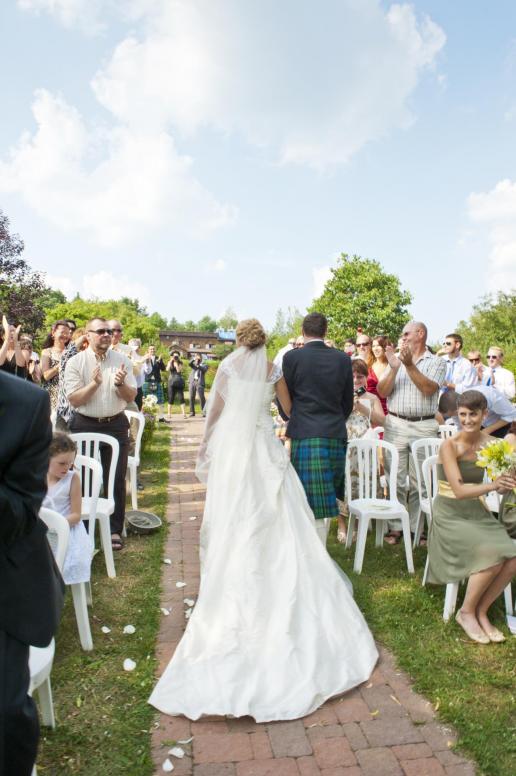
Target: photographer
<point>196,383</point>
<point>176,383</point>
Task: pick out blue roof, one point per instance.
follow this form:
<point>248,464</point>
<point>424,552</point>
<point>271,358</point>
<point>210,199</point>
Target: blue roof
<point>226,334</point>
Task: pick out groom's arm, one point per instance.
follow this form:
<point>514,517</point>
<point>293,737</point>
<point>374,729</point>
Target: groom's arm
<point>347,395</point>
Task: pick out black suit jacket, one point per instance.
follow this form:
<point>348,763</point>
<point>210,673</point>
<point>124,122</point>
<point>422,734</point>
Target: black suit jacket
<point>157,368</point>
<point>320,383</point>
<point>203,368</point>
<point>31,588</point>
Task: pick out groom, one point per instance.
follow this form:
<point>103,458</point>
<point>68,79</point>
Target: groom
<point>320,383</point>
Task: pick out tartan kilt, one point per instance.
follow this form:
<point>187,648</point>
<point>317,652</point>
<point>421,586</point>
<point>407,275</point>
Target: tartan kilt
<point>320,463</point>
<point>148,390</point>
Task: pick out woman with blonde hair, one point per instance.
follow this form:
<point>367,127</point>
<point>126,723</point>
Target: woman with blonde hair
<point>275,630</point>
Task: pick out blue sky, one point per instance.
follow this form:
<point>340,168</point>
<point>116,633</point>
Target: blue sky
<point>202,154</point>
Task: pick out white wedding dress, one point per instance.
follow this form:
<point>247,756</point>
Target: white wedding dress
<point>275,631</point>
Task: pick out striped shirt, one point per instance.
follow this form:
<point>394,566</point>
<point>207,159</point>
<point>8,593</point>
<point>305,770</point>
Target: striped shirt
<point>406,399</point>
<point>79,372</point>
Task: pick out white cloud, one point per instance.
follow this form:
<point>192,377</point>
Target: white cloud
<point>314,85</point>
<point>61,283</point>
<point>219,265</point>
<point>112,183</point>
<point>101,285</point>
<point>320,276</point>
<point>496,210</point>
<point>85,14</point>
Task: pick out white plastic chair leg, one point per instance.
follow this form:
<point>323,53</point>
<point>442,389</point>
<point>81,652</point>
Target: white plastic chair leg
<point>81,615</point>
<point>380,530</point>
<point>46,704</point>
<point>89,595</point>
<point>351,525</point>
<point>407,539</point>
<point>450,600</point>
<point>507,595</point>
<point>133,479</point>
<point>425,573</point>
<point>105,536</point>
<point>418,528</point>
<point>361,543</point>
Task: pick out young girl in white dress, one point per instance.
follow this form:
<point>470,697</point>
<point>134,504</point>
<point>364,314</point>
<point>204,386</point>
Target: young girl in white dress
<point>64,497</point>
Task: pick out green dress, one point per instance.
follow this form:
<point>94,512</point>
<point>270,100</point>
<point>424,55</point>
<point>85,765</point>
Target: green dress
<point>464,536</point>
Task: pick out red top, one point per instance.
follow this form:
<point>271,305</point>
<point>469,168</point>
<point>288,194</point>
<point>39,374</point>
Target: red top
<point>372,387</point>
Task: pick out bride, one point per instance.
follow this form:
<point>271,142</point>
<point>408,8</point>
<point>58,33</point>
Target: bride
<point>275,631</point>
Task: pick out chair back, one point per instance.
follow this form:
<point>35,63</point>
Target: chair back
<point>139,417</point>
<point>430,482</point>
<point>59,526</point>
<point>373,433</point>
<point>447,430</point>
<point>89,445</point>
<point>422,449</point>
<point>368,467</point>
<point>90,474</point>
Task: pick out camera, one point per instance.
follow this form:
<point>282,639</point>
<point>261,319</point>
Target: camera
<point>359,392</point>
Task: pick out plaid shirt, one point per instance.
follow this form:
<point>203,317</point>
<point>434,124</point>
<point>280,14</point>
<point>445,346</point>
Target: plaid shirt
<point>407,399</point>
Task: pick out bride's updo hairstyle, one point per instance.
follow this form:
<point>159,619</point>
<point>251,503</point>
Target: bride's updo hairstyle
<point>250,333</point>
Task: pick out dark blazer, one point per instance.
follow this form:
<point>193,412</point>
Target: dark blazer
<point>31,588</point>
<point>203,368</point>
<point>320,383</point>
<point>157,368</point>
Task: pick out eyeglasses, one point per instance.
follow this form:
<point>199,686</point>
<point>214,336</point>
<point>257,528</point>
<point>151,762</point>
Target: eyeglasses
<point>100,332</point>
<point>474,360</point>
<point>117,331</point>
<point>363,344</point>
<point>488,356</point>
<point>447,342</point>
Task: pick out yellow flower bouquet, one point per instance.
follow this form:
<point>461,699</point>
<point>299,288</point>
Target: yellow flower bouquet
<point>497,457</point>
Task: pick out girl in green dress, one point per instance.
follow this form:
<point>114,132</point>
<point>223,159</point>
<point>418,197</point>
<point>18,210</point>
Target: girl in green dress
<point>466,541</point>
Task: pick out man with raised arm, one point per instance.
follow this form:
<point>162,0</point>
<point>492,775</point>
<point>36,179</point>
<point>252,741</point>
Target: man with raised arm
<point>411,383</point>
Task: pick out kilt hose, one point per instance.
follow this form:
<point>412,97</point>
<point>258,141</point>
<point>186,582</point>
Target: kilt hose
<point>320,463</point>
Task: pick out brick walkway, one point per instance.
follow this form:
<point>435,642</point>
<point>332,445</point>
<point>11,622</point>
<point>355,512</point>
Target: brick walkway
<point>382,728</point>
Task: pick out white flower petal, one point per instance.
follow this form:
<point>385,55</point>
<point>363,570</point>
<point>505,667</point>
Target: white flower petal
<point>167,766</point>
<point>180,584</point>
<point>129,665</point>
<point>129,629</point>
<point>186,740</point>
<point>194,517</point>
<point>188,601</point>
<point>167,561</point>
<point>165,612</point>
<point>176,751</point>
<point>188,613</point>
<point>105,629</point>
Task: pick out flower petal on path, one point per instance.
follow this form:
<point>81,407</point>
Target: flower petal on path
<point>129,665</point>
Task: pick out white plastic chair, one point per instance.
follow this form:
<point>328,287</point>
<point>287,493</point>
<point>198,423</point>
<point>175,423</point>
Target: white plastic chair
<point>41,658</point>
<point>421,449</point>
<point>133,461</point>
<point>447,430</point>
<point>88,444</point>
<point>368,506</point>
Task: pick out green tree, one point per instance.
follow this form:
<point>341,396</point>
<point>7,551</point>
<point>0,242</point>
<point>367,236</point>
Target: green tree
<point>52,297</point>
<point>207,324</point>
<point>21,288</point>
<point>228,320</point>
<point>492,322</point>
<point>361,293</point>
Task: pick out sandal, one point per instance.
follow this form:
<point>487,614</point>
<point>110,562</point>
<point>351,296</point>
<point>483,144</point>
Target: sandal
<point>393,537</point>
<point>116,543</point>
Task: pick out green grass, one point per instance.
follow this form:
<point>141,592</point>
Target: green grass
<point>471,686</point>
<point>103,719</point>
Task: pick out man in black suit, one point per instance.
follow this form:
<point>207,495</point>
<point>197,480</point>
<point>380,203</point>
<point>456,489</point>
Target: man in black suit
<point>31,588</point>
<point>320,383</point>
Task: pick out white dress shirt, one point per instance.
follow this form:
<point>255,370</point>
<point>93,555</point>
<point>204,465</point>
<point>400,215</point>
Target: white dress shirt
<point>461,373</point>
<point>498,406</point>
<point>503,380</point>
<point>105,402</point>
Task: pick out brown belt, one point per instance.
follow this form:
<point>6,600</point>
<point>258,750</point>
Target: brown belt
<point>107,419</point>
<point>412,420</point>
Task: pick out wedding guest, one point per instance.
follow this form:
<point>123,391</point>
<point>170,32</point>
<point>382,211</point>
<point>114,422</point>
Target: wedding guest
<point>378,367</point>
<point>71,325</point>
<point>349,347</point>
<point>176,384</point>
<point>64,410</point>
<point>153,367</point>
<point>53,348</point>
<point>466,541</point>
<point>507,514</point>
<point>138,361</point>
<point>300,342</point>
<point>31,588</point>
<point>411,383</point>
<point>500,412</point>
<point>12,358</point>
<point>475,359</point>
<point>460,373</point>
<point>363,343</point>
<point>278,359</point>
<point>366,414</point>
<point>99,383</point>
<point>329,343</point>
<point>64,497</point>
<point>497,376</point>
<point>116,340</point>
<point>33,367</point>
<point>197,383</point>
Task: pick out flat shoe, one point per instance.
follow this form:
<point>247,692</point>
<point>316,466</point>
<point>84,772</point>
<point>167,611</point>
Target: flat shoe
<point>341,537</point>
<point>479,638</point>
<point>392,538</point>
<point>495,635</point>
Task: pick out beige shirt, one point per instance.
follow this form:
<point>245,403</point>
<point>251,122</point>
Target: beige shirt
<point>406,398</point>
<point>79,373</point>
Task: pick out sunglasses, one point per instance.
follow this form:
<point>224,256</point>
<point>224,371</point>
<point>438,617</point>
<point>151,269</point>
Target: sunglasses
<point>474,361</point>
<point>118,331</point>
<point>100,332</point>
<point>447,342</point>
<point>363,344</point>
<point>493,356</point>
